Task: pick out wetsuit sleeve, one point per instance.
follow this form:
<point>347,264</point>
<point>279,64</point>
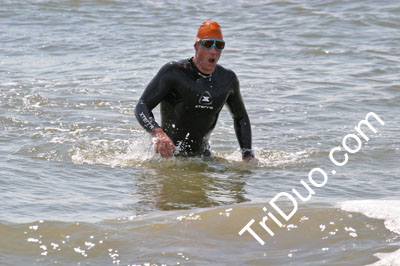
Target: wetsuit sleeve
<point>157,89</point>
<point>241,119</point>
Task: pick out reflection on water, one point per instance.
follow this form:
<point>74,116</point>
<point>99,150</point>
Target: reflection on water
<point>191,182</point>
<point>71,150</point>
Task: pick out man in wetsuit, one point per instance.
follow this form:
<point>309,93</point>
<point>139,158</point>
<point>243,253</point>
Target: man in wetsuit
<point>192,93</point>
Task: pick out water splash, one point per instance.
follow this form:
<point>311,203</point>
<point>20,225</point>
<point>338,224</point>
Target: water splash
<point>114,152</point>
<point>140,152</point>
<point>268,158</point>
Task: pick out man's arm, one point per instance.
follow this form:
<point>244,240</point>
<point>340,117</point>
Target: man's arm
<point>241,120</point>
<point>157,89</point>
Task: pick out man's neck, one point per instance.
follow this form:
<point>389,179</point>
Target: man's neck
<point>200,69</point>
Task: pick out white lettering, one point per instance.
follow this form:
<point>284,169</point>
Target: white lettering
<point>247,228</point>
<point>204,107</point>
<point>272,203</point>
<point>312,180</point>
<point>310,191</point>
<point>275,219</point>
<point>266,228</point>
<point>146,121</point>
<point>347,147</point>
<point>333,160</point>
<point>366,122</point>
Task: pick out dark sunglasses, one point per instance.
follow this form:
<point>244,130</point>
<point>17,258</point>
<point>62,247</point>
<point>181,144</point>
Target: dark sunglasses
<point>210,43</point>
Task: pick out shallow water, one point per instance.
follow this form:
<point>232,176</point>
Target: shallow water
<point>81,185</point>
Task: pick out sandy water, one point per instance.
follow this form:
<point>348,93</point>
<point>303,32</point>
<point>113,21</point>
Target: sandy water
<point>80,184</point>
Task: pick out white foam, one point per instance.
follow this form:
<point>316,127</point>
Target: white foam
<point>113,153</point>
<point>270,158</point>
<point>387,210</point>
<point>392,259</point>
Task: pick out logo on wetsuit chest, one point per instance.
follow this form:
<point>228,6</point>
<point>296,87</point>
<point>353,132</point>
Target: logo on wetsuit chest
<point>205,100</point>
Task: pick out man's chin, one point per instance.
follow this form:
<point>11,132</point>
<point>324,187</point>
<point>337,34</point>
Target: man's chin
<point>211,66</point>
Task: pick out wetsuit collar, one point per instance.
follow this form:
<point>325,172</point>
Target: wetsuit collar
<point>198,72</point>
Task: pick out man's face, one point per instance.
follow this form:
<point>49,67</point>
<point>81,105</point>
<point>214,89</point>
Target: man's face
<point>206,60</point>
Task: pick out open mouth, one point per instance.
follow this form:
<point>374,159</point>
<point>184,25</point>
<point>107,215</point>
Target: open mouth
<point>211,60</point>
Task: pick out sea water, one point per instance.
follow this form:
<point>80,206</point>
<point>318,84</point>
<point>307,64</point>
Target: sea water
<point>80,183</point>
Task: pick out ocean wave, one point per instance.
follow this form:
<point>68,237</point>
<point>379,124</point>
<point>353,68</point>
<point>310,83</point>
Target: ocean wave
<point>387,210</point>
<point>316,233</point>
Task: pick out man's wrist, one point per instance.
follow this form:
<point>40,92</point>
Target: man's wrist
<point>156,132</point>
<point>247,153</point>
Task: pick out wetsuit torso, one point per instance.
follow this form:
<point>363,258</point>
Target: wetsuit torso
<point>190,105</point>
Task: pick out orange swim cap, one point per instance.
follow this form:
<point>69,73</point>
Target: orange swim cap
<point>209,29</point>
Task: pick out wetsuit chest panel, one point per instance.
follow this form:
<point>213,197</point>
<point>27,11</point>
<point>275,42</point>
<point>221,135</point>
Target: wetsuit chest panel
<point>209,97</point>
<point>190,110</point>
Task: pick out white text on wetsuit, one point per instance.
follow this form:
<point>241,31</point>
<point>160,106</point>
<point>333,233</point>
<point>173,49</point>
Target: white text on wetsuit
<point>146,121</point>
<point>204,107</point>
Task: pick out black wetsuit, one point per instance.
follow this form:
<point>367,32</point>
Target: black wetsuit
<point>190,105</point>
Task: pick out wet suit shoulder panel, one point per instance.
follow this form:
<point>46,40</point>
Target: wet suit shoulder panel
<point>154,93</point>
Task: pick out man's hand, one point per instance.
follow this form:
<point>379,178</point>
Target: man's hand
<point>247,155</point>
<point>163,144</point>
